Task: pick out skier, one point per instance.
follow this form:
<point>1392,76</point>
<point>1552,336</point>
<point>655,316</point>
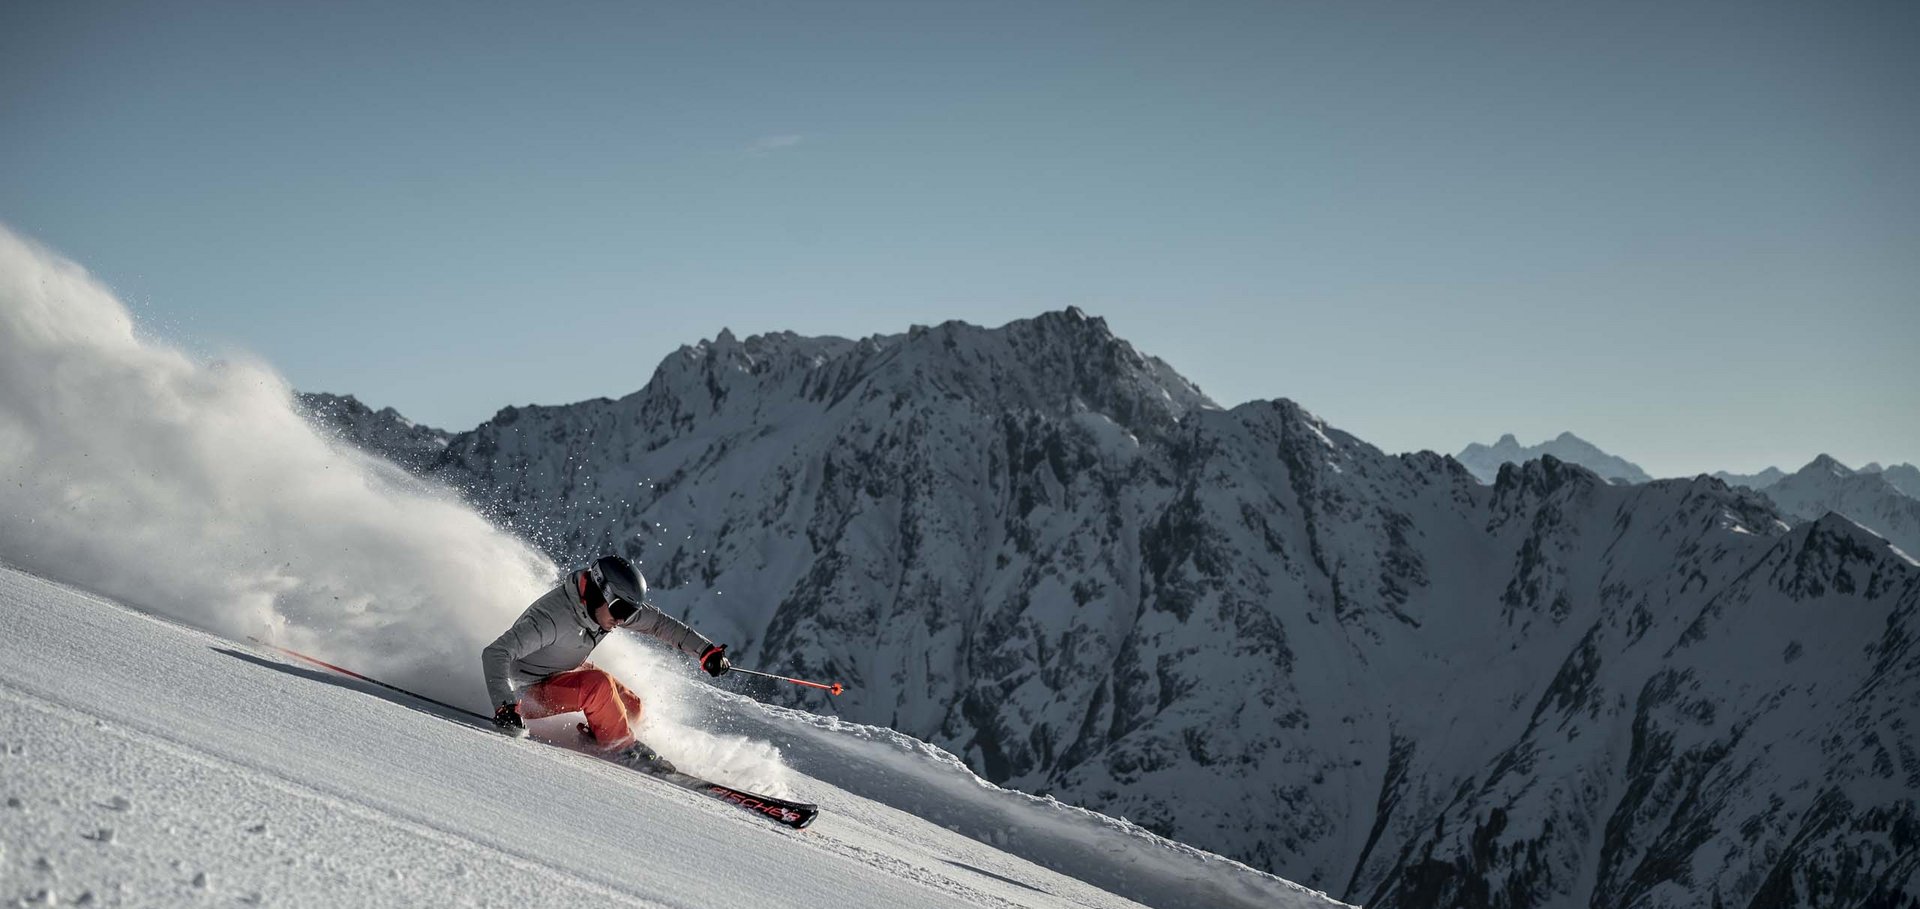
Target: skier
<point>540,663</point>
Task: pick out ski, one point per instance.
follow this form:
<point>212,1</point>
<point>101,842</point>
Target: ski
<point>796,815</point>
<point>641,758</point>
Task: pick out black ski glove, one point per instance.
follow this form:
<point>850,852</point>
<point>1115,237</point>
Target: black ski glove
<point>714,661</point>
<point>507,719</point>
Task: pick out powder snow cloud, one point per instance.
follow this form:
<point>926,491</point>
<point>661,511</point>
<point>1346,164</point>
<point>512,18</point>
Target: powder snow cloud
<point>197,491</point>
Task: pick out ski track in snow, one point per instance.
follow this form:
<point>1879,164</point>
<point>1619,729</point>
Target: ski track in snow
<point>145,763</point>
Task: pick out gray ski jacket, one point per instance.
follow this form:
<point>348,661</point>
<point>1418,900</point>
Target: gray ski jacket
<point>556,634</point>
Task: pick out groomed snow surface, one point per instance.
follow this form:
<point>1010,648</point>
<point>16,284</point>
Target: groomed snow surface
<point>143,763</point>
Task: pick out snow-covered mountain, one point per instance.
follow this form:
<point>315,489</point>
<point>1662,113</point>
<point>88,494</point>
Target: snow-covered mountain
<point>1904,477</point>
<point>1246,629</point>
<point>1885,500</point>
<point>1826,485</point>
<point>1485,460</point>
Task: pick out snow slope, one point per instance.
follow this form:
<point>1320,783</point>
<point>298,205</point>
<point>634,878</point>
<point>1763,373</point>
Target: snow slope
<point>144,763</point>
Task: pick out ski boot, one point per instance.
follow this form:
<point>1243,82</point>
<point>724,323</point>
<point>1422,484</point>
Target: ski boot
<point>639,757</point>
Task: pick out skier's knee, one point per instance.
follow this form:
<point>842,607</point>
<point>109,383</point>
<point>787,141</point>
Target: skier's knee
<point>599,685</point>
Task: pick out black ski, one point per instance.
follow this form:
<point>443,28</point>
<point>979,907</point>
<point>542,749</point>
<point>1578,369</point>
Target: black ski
<point>780,811</point>
<point>641,758</point>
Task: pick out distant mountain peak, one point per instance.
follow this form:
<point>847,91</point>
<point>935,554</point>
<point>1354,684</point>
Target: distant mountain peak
<point>1827,465</point>
<point>1057,362</point>
<point>1754,481</point>
<point>1062,357</point>
<point>1903,477</point>
<point>1485,461</point>
<point>1070,322</point>
<point>1827,487</point>
<point>1072,316</point>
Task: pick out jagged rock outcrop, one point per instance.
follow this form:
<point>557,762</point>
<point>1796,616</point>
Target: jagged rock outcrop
<point>414,447</point>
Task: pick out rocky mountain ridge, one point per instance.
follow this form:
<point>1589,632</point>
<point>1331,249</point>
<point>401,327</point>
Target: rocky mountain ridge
<point>1885,500</point>
<point>1867,497</point>
<point>412,446</point>
<point>1903,478</point>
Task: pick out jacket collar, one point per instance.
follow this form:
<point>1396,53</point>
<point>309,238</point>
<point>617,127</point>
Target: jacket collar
<point>576,592</point>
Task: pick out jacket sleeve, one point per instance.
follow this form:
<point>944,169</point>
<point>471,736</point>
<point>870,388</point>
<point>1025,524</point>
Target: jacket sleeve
<point>667,628</point>
<point>533,630</point>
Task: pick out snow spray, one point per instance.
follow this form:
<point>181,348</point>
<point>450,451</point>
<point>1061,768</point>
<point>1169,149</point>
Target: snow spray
<point>671,721</point>
<point>198,491</point>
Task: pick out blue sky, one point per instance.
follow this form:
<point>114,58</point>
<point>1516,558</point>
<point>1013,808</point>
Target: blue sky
<point>1687,232</point>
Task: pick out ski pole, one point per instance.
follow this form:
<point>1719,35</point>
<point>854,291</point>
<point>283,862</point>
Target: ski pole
<point>834,688</point>
<point>365,678</point>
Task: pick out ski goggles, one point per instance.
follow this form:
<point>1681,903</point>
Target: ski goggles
<point>623,610</point>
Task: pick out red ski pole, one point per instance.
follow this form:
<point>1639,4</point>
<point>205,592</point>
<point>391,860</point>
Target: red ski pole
<point>834,688</point>
<point>365,678</point>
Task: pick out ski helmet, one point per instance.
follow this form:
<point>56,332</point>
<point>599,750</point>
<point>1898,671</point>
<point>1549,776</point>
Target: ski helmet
<point>621,586</point>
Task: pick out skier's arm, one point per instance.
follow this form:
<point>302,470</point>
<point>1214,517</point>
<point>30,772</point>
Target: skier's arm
<point>532,631</point>
<point>651,620</point>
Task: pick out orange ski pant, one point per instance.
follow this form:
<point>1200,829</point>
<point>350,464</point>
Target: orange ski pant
<point>612,709</point>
